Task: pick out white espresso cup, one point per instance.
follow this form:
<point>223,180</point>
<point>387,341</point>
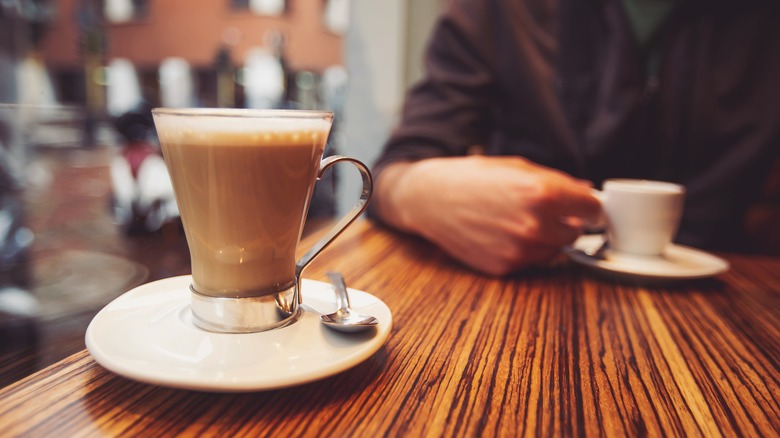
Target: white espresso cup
<point>642,216</point>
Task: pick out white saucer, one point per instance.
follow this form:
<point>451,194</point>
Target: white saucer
<point>677,263</point>
<point>147,334</point>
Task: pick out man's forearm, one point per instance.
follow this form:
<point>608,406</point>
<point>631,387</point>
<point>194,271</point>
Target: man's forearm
<point>389,195</point>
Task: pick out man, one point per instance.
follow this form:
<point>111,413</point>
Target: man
<point>556,96</point>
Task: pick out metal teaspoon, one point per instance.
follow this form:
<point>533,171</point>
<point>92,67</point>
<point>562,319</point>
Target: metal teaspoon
<point>345,319</point>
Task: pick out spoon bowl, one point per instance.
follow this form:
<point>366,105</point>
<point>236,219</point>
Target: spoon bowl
<point>345,319</point>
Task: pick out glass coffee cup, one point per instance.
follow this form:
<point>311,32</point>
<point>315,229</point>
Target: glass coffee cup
<point>243,181</point>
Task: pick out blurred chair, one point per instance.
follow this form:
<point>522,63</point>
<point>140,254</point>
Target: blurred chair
<point>123,93</point>
<point>263,78</point>
<point>33,84</point>
<point>15,238</point>
<point>176,84</point>
<point>142,195</point>
<point>123,191</point>
<point>155,193</point>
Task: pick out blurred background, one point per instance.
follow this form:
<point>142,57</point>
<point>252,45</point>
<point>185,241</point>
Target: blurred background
<point>86,208</point>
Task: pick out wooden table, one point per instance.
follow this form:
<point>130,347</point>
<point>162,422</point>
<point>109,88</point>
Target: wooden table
<point>557,351</point>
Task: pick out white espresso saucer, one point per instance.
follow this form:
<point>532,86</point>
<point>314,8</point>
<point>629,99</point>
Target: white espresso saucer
<point>147,334</point>
<point>677,263</point>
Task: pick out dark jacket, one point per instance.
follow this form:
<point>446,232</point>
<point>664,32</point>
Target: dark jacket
<point>564,83</point>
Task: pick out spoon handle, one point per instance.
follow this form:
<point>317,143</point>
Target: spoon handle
<point>342,298</point>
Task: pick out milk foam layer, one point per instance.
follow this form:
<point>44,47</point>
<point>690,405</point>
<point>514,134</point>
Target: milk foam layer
<point>219,136</point>
<point>245,126</point>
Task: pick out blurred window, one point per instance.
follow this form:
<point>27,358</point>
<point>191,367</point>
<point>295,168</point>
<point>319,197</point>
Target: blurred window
<point>335,16</point>
<point>123,11</point>
<point>261,7</point>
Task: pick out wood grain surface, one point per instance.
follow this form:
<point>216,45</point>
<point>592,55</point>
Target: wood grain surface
<point>554,351</point>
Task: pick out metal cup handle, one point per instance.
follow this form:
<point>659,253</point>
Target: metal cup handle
<point>342,224</point>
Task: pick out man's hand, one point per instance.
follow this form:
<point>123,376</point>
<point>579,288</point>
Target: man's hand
<point>495,214</point>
